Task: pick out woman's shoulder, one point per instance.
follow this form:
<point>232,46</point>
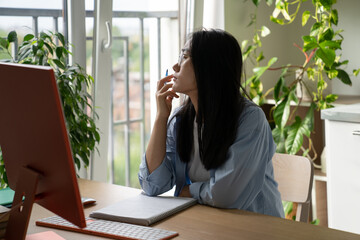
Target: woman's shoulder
<point>252,115</point>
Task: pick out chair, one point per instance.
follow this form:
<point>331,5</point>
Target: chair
<point>294,174</point>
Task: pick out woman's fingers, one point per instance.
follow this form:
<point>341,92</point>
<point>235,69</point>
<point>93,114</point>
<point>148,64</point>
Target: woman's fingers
<point>164,96</point>
<point>167,93</point>
<point>163,81</point>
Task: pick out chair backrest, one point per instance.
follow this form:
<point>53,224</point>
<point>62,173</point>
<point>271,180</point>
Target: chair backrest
<point>294,174</point>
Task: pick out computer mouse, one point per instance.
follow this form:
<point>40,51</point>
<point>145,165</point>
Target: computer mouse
<point>87,201</point>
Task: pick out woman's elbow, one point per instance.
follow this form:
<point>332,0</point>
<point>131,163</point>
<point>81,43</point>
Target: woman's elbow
<point>224,199</point>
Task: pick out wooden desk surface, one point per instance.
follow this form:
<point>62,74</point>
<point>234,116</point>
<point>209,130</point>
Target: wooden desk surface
<point>199,222</point>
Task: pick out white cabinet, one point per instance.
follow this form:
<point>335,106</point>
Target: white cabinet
<point>342,138</point>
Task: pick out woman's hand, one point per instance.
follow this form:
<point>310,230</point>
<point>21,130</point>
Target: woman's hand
<point>164,97</point>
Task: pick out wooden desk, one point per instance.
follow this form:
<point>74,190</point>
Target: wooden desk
<point>199,222</point>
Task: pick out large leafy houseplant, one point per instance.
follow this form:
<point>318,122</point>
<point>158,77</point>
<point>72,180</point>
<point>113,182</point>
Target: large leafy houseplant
<point>321,48</point>
<point>322,59</point>
<point>50,49</point>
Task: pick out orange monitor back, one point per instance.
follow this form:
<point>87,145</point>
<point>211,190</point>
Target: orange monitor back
<point>35,146</point>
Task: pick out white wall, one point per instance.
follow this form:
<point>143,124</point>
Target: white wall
<point>280,42</point>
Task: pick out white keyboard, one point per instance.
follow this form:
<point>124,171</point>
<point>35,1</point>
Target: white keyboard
<point>109,229</point>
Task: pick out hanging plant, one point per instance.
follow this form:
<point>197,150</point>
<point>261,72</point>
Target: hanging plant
<point>322,59</point>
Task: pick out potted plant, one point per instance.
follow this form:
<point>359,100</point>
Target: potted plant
<point>71,80</point>
<point>322,59</point>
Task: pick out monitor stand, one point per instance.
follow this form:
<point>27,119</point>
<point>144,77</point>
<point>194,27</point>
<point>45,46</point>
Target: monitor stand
<point>19,218</point>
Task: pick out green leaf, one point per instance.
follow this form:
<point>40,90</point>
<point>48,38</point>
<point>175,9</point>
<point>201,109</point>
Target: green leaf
<point>338,64</point>
<point>49,48</point>
<point>243,44</point>
<point>327,55</point>
<point>334,17</point>
<point>309,43</point>
<point>28,37</point>
<point>258,71</point>
<point>331,98</point>
<point>305,17</point>
<point>316,222</point>
<point>43,35</point>
<point>12,36</point>
<point>279,138</point>
<point>309,39</point>
<point>59,52</point>
<point>298,129</point>
<point>260,57</point>
<point>295,137</point>
<point>272,61</point>
<point>332,73</point>
<point>280,85</point>
<point>40,43</point>
<point>277,88</point>
<point>356,72</point>
<point>58,63</point>
<point>256,2</point>
<point>310,46</point>
<point>275,20</point>
<point>265,31</point>
<point>328,34</point>
<point>288,207</point>
<point>326,4</point>
<point>310,73</point>
<point>344,77</point>
<point>257,40</point>
<point>314,31</point>
<point>331,44</point>
<point>61,38</point>
<point>34,49</point>
<point>4,43</point>
<point>248,51</point>
<point>282,112</point>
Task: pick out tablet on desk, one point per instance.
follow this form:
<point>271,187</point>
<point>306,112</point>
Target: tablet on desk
<point>143,210</point>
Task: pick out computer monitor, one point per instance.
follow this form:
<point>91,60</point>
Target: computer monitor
<point>35,146</point>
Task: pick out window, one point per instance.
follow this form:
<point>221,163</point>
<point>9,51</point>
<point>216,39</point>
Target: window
<point>144,44</point>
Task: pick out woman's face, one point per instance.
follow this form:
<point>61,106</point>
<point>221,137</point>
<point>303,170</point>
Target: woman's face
<point>184,77</point>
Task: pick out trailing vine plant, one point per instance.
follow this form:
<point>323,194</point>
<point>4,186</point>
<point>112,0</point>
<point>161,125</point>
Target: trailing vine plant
<point>50,49</point>
<point>322,58</point>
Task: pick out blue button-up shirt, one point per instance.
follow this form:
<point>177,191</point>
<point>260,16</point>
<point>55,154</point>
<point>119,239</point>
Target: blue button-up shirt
<point>246,179</point>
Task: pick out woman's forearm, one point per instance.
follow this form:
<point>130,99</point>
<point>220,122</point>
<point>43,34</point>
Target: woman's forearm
<point>156,149</point>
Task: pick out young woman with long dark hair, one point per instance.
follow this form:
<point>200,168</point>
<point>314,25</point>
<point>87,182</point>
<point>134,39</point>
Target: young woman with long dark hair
<point>217,147</point>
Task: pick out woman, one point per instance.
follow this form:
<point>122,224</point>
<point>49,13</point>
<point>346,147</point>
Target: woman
<point>217,147</point>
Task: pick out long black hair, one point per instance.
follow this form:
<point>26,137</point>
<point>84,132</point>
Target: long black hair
<point>217,62</point>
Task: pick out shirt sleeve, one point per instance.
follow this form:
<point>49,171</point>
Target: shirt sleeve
<point>239,180</point>
<point>162,178</point>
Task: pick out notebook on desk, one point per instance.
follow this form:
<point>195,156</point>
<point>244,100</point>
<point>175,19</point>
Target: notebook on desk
<point>143,210</point>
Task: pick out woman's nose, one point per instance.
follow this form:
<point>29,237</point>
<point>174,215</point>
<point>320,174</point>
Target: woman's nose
<point>176,67</point>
